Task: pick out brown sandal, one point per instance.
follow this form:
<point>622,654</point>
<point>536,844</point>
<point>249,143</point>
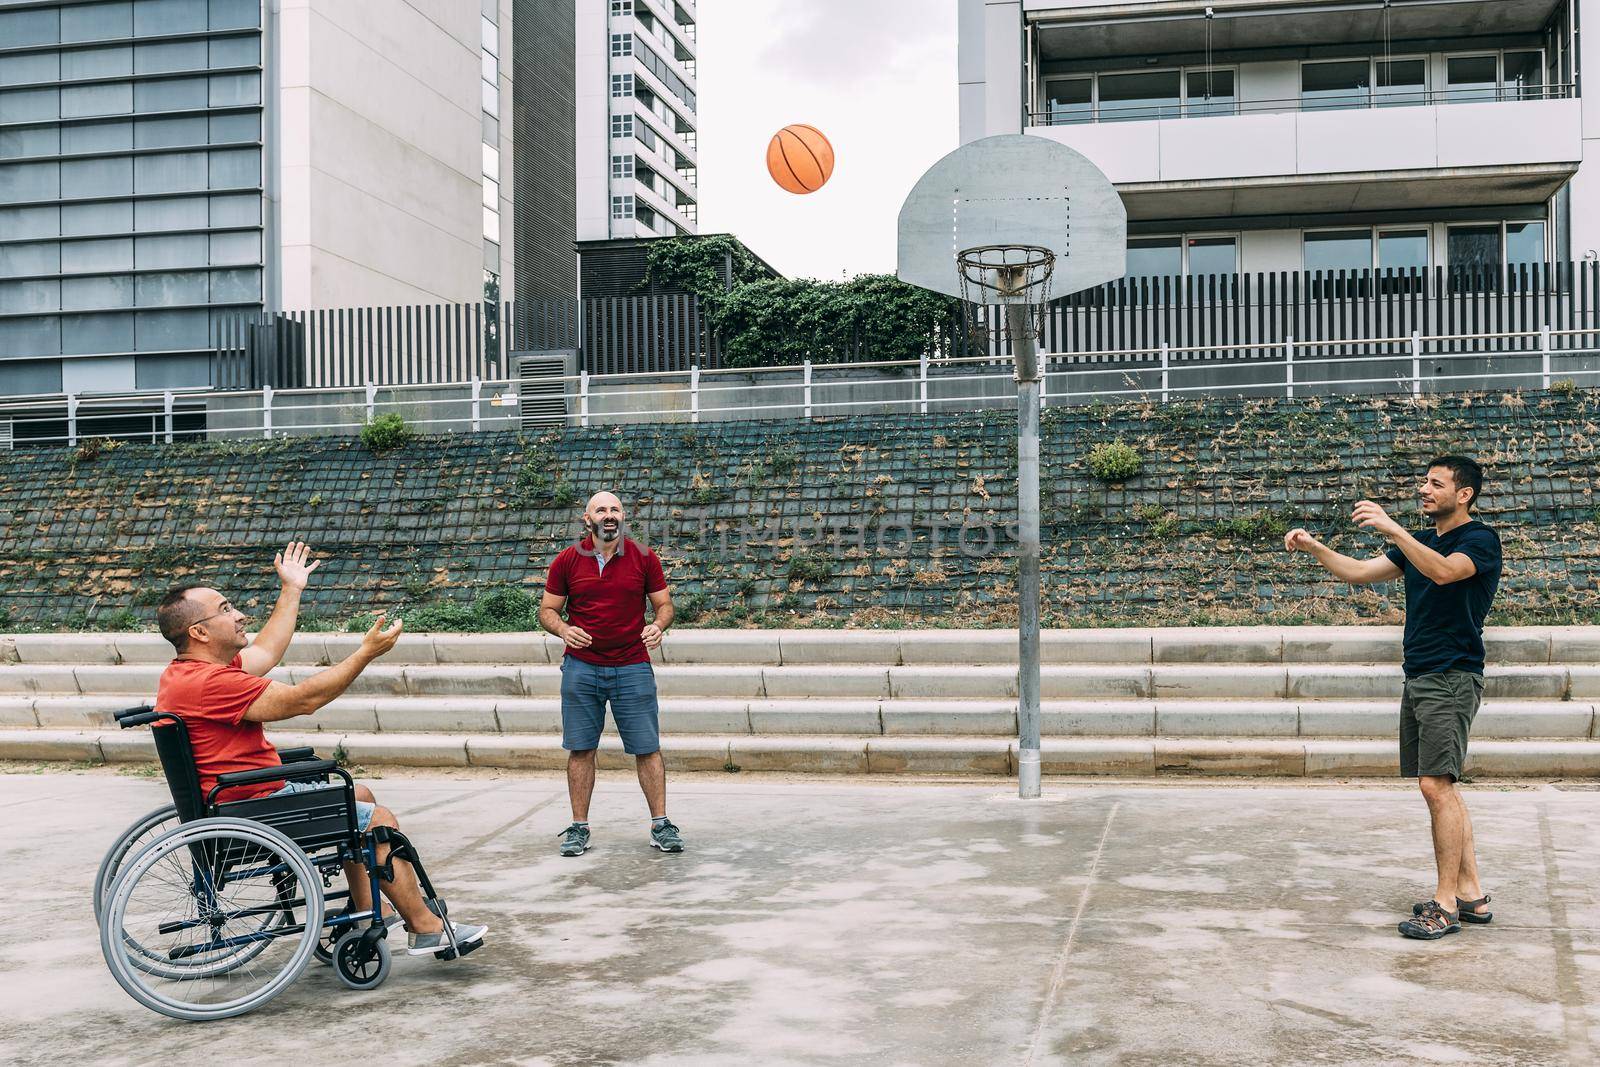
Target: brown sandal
<point>1432,923</point>
<point>1465,908</point>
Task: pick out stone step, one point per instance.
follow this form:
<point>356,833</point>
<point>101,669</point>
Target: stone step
<point>1309,645</point>
<point>886,718</point>
<point>1119,756</point>
<point>1549,682</point>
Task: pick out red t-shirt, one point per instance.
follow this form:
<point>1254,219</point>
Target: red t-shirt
<point>211,700</point>
<point>607,603</point>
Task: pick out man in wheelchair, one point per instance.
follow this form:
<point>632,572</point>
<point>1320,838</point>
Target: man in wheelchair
<point>215,686</point>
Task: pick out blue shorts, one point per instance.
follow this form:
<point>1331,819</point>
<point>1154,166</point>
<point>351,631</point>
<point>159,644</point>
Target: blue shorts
<point>363,809</point>
<point>631,691</point>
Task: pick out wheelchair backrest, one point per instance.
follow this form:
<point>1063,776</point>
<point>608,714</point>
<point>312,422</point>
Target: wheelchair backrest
<point>177,763</point>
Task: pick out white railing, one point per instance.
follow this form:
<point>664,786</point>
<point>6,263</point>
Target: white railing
<point>807,390</point>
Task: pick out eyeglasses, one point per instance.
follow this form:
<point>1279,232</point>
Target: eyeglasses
<point>227,609</point>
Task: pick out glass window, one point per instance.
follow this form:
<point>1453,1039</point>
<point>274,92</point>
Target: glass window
<point>171,372</point>
<point>152,18</point>
<point>491,160</point>
<point>21,182</point>
<point>491,98</point>
<point>235,285</point>
<point>174,172</point>
<point>1524,78</point>
<point>244,210</point>
<point>622,166</point>
<point>1151,257</point>
<point>176,94</point>
<point>622,125</point>
<point>83,101</point>
<point>24,222</point>
<point>491,68</point>
<point>30,141</point>
<point>491,224</point>
<point>234,90</point>
<point>93,294</point>
<point>96,22</point>
<point>31,337</point>
<point>622,85</point>
<point>89,257</point>
<point>1344,83</point>
<point>97,137</point>
<point>1474,248</point>
<point>81,334</point>
<point>158,330</point>
<point>174,287</point>
<point>30,105</point>
<point>1068,101</point>
<point>80,220</point>
<point>1333,250</point>
<point>1469,78</point>
<point>18,297</point>
<point>179,213</point>
<point>621,44</point>
<point>235,249</point>
<point>1524,243</point>
<point>1146,95</point>
<point>178,250</point>
<point>1213,255</point>
<point>235,51</point>
<point>243,126</point>
<point>235,167</point>
<point>491,36</point>
<point>29,67</point>
<point>491,129</point>
<point>491,193</point>
<point>1211,92</point>
<point>97,63</point>
<point>1401,83</point>
<point>1403,249</point>
<point>170,133</point>
<point>18,261</point>
<point>19,28</point>
<point>234,14</point>
<point>160,57</point>
<point>82,178</point>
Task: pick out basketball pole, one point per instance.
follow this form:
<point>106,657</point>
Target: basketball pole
<point>1026,360</point>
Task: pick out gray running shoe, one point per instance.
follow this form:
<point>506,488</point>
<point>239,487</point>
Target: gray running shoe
<point>433,944</point>
<point>665,837</point>
<point>574,840</point>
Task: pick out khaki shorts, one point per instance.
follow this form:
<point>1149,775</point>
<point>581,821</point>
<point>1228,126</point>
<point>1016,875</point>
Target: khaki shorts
<point>1435,714</point>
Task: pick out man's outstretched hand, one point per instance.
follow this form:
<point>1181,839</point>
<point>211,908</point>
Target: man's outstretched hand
<point>376,641</point>
<point>293,570</point>
<point>1298,540</point>
<point>1374,518</point>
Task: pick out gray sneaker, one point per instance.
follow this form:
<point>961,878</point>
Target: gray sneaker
<point>433,944</point>
<point>574,840</point>
<point>665,837</point>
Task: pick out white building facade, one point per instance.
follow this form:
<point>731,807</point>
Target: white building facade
<point>637,156</point>
<point>1288,135</point>
<point>167,164</point>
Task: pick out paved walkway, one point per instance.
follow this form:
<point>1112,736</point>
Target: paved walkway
<point>885,923</point>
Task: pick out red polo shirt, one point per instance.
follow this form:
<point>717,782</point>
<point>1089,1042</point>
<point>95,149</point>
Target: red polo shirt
<point>211,699</point>
<point>607,603</point>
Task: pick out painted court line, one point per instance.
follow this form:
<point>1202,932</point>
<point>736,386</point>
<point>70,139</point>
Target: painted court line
<point>1059,975</point>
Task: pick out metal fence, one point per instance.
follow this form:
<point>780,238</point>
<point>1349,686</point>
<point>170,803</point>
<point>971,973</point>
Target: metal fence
<point>1365,311</point>
<point>1413,365</point>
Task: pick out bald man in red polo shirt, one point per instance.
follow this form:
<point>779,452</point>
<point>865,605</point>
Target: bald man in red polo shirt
<point>603,582</point>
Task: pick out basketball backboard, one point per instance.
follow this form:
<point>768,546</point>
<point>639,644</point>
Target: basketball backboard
<point>1013,189</point>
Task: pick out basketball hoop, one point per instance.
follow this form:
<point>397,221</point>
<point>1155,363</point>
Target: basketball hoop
<point>1006,275</point>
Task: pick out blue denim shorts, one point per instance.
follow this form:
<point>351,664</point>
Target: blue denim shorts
<point>631,692</point>
<point>363,809</point>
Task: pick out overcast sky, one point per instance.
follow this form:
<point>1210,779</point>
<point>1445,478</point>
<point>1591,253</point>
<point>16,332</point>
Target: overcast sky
<point>878,77</point>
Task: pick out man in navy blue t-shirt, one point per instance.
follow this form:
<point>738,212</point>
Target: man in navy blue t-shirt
<point>1451,573</point>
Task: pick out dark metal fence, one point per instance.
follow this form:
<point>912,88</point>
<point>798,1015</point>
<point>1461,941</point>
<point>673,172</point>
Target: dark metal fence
<point>1371,312</point>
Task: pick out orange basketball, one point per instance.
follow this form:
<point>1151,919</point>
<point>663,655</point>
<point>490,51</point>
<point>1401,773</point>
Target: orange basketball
<point>799,158</point>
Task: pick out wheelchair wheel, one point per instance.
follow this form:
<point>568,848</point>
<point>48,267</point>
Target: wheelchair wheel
<point>133,839</point>
<point>361,958</point>
<point>202,923</point>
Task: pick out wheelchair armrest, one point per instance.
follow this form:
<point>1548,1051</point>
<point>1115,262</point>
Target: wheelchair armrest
<point>292,772</point>
<point>297,755</point>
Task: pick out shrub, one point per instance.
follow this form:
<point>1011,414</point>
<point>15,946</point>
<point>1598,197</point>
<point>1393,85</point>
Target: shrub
<point>814,569</point>
<point>384,432</point>
<point>1260,526</point>
<point>1564,387</point>
<point>564,495</point>
<point>506,608</point>
<point>1114,461</point>
<point>440,615</point>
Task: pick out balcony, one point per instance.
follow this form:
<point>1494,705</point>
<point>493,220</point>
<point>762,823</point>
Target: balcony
<point>1285,157</point>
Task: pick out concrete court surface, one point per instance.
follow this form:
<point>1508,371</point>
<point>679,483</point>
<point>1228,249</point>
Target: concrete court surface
<point>900,922</point>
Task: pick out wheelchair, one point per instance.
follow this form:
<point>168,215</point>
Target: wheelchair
<point>210,908</point>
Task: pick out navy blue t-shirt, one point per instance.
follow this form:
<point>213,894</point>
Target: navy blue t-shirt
<point>1444,623</point>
